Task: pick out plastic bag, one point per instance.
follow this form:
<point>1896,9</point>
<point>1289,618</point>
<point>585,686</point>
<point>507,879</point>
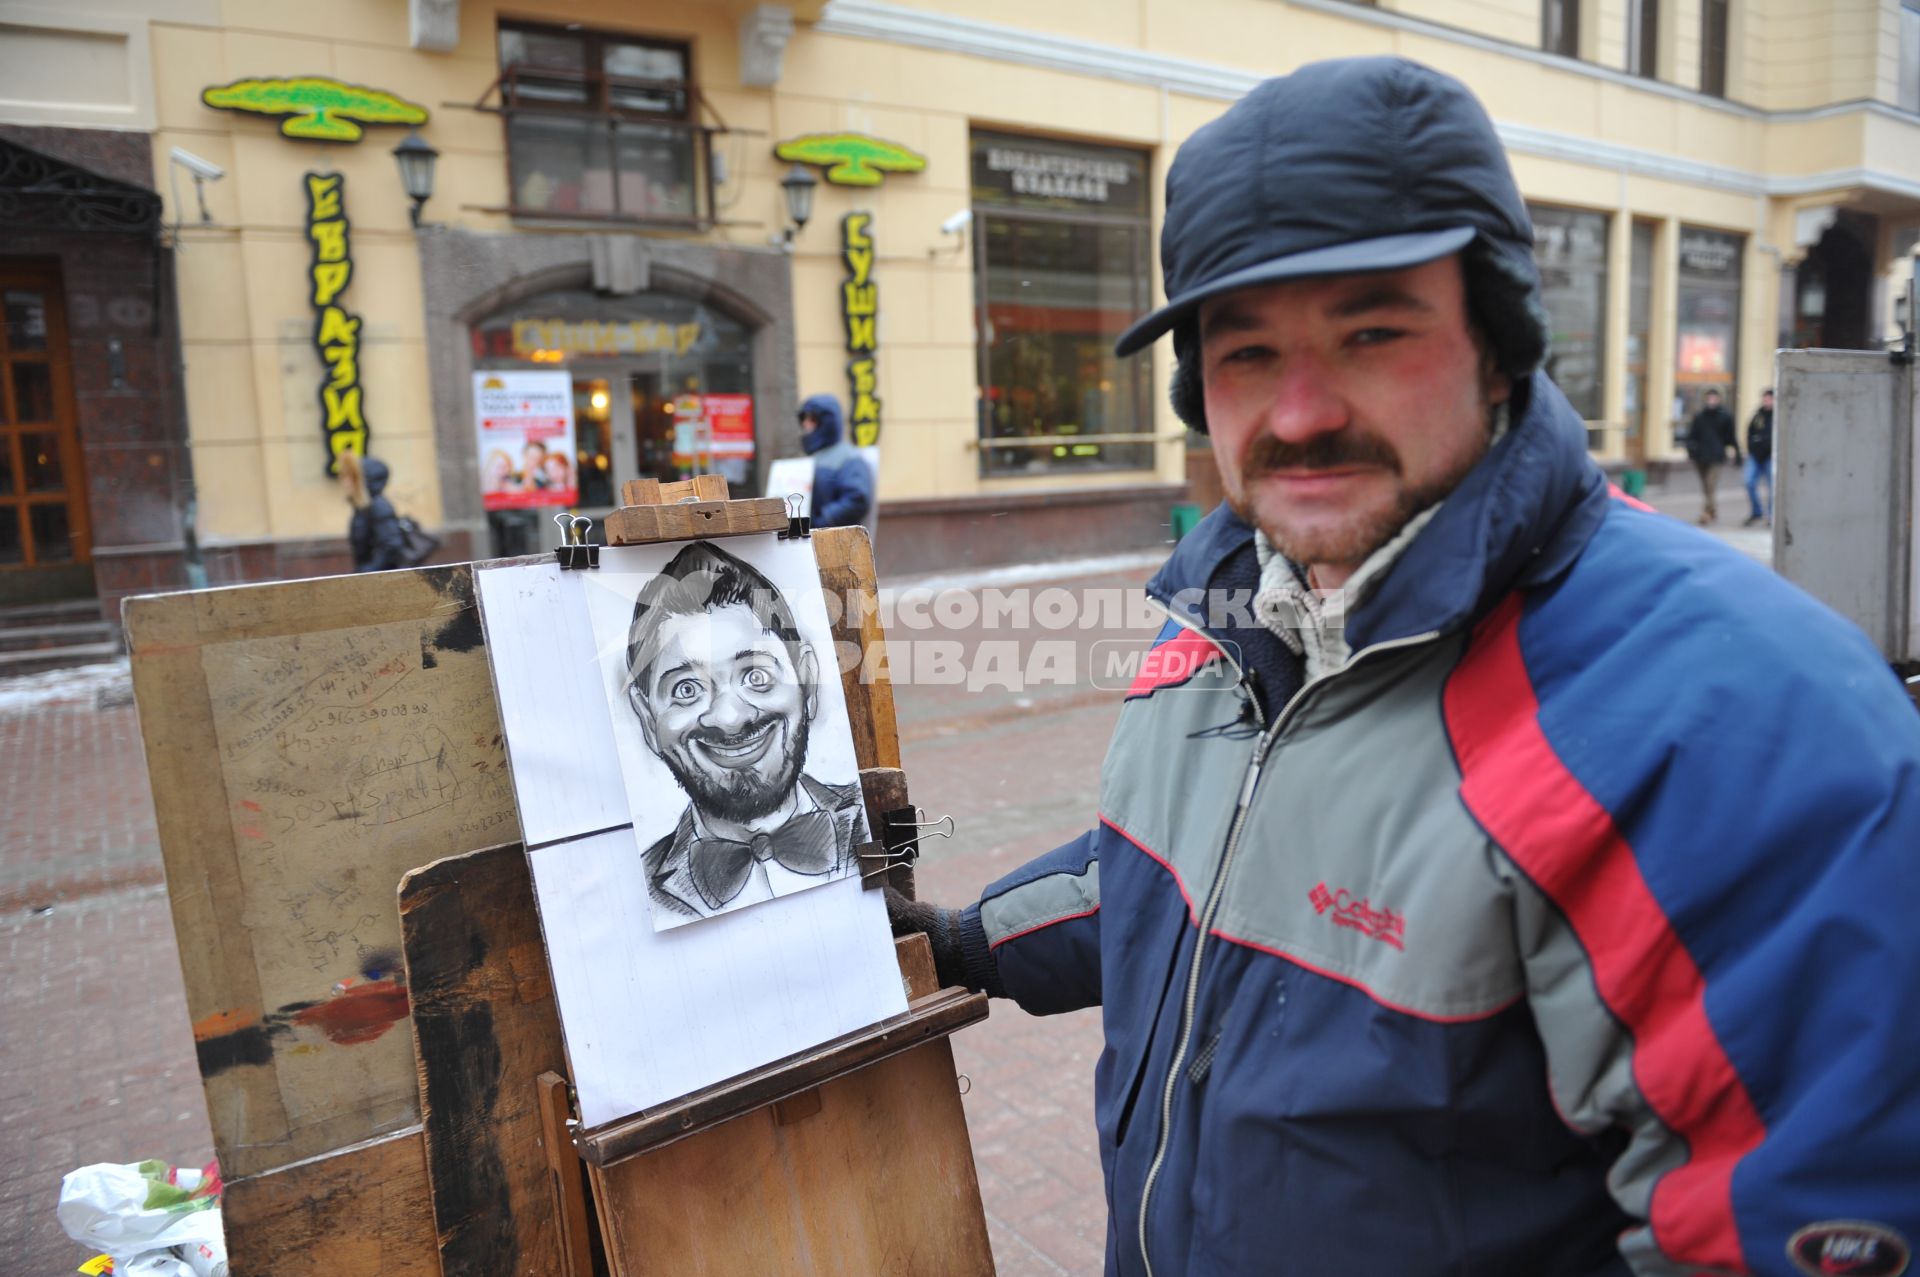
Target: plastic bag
<point>155,1220</point>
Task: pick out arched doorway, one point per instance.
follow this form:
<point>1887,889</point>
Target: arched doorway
<point>638,325</point>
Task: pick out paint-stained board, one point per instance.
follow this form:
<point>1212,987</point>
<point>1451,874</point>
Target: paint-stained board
<point>309,743</point>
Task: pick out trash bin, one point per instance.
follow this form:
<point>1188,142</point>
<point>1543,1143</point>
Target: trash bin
<point>1185,516</point>
<point>1633,482</point>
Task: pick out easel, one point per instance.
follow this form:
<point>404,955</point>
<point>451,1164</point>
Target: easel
<point>849,1158</point>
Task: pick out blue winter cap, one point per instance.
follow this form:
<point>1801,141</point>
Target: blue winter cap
<point>1357,164</point>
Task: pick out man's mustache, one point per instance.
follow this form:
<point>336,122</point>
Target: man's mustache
<point>729,740</point>
<point>1337,449</point>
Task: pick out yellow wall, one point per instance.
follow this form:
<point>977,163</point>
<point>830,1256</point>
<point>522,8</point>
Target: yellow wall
<point>251,371</point>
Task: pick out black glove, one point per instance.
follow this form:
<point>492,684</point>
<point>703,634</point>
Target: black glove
<point>941,928</point>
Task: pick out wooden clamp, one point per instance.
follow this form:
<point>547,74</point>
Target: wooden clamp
<point>688,510</point>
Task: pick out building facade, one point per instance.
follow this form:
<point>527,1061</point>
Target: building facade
<point>608,228</point>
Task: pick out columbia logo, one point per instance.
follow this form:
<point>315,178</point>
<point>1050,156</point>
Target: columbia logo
<point>1385,925</point>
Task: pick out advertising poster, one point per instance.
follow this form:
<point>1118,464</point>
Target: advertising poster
<point>713,434</point>
<point>525,431</point>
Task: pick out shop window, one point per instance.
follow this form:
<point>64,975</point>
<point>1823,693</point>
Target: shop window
<point>602,126</point>
<point>1708,321</point>
<point>1061,268</point>
<point>1560,27</point>
<point>662,385</point>
<point>1713,47</point>
<point>1571,247</point>
<point>1643,37</point>
<point>1910,55</point>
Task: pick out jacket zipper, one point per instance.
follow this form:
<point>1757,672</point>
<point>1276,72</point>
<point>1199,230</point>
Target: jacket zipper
<point>1191,1002</point>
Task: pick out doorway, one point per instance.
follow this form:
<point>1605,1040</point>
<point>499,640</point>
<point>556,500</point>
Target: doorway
<point>45,552</point>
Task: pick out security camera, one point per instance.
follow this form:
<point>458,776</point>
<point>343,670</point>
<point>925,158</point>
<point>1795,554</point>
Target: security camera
<point>958,222</point>
<point>200,168</point>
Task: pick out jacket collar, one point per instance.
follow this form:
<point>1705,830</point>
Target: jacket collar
<point>1519,518</point>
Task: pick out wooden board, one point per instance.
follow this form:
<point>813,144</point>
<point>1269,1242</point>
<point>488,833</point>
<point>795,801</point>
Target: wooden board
<point>647,524</point>
<point>485,1027</point>
<point>845,556</point>
<point>308,743</point>
<point>358,1210</point>
<point>734,1200</point>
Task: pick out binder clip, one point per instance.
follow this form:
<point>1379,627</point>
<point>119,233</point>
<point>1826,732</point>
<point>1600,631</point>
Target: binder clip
<point>899,845</point>
<point>799,526</point>
<point>574,550</point>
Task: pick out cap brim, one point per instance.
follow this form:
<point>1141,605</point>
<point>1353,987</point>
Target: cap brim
<point>1390,252</point>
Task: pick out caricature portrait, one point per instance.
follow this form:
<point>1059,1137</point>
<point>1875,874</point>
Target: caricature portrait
<point>726,692</point>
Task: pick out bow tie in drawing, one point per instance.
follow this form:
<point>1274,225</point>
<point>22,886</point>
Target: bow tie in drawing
<point>719,866</point>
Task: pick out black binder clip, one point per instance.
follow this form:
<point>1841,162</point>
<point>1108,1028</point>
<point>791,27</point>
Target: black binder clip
<point>799,526</point>
<point>899,845</point>
<point>575,550</point>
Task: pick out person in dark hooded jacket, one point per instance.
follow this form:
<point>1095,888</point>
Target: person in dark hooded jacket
<point>842,479</point>
<point>378,544</point>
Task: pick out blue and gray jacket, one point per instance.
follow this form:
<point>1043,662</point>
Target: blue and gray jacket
<point>842,479</point>
<point>1569,928</point>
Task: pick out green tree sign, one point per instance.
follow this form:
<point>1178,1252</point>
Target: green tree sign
<point>316,108</point>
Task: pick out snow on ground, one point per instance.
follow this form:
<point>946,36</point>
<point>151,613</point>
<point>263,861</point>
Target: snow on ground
<point>106,682</point>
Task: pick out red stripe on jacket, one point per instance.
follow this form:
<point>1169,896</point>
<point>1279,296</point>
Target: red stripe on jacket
<point>1174,661</point>
<point>1566,842</point>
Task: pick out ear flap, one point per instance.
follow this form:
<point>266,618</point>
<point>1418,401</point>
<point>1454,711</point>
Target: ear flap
<point>1186,394</point>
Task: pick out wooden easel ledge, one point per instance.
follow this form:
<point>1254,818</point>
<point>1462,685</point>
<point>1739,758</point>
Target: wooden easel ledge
<point>652,511</point>
<point>926,1018</point>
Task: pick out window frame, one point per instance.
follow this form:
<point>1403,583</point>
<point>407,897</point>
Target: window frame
<point>1643,38</point>
<point>1568,11</point>
<point>1716,28</point>
<point>599,107</point>
<point>1141,225</point>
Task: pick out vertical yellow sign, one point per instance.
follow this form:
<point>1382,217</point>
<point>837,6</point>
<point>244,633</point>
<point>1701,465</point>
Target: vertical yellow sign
<point>336,333</point>
<point>860,308</point>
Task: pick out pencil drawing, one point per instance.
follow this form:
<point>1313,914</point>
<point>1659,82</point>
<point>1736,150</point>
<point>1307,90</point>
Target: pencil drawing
<point>725,689</point>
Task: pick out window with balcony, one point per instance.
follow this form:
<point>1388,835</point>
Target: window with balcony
<point>1560,27</point>
<point>1643,37</point>
<point>1713,47</point>
<point>602,126</point>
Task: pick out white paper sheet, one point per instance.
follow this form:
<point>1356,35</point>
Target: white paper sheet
<point>649,1016</point>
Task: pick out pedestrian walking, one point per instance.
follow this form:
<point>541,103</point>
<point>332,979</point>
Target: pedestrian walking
<point>1709,439</point>
<point>1445,918</point>
<point>374,534</point>
<point>842,479</point>
<point>1760,460</point>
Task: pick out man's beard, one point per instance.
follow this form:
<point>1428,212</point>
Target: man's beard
<point>1356,537</point>
<point>742,794</point>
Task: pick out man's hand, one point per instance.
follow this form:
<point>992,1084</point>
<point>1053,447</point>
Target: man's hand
<point>941,928</point>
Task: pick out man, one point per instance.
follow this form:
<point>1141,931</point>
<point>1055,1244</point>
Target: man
<point>374,535</point>
<point>1546,908</point>
<point>1709,439</point>
<point>725,689</point>
<point>842,479</point>
<point>1760,460</point>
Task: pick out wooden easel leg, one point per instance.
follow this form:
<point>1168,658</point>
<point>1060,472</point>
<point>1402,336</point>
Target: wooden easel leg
<point>563,1167</point>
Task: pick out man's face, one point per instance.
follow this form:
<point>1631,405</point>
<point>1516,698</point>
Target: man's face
<point>725,709</point>
<point>1766,400</point>
<point>1341,407</point>
<point>1713,399</point>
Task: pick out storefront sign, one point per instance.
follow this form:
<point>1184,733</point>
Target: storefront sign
<point>1709,253</point>
<point>860,310</point>
<point>336,333</point>
<point>525,431</point>
<point>851,159</point>
<point>317,109</point>
<point>555,339</point>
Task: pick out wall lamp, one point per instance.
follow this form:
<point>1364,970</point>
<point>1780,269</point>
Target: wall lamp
<point>798,186</point>
<point>415,157</point>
